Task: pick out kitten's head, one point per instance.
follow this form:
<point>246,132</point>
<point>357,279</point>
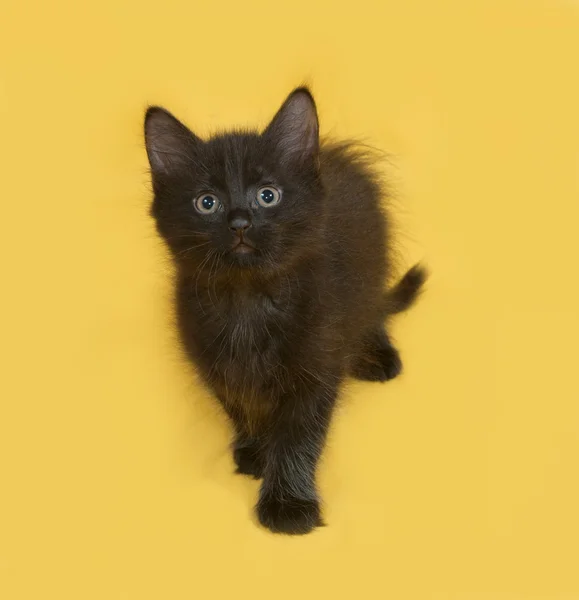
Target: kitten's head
<point>245,201</point>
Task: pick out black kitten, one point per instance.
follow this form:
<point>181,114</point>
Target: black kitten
<point>281,254</point>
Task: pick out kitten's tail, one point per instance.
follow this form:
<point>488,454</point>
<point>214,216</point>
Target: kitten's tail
<point>406,291</point>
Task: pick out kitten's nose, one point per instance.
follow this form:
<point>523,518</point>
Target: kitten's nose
<point>238,221</point>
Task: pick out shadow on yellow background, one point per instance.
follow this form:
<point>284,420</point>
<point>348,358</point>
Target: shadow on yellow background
<point>457,481</point>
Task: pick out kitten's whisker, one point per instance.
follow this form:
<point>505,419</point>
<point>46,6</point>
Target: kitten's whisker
<point>191,234</point>
<point>213,264</point>
<point>199,270</point>
<point>182,253</point>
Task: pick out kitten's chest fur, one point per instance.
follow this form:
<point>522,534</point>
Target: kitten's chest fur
<point>241,339</point>
<point>249,335</point>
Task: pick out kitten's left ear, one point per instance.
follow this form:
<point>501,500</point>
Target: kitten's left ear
<point>171,146</point>
<point>294,130</point>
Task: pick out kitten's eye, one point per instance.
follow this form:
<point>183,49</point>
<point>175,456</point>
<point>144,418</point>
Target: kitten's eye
<point>268,196</point>
<point>206,203</point>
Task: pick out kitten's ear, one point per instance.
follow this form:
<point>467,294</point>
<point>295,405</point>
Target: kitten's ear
<point>294,130</point>
<point>170,145</point>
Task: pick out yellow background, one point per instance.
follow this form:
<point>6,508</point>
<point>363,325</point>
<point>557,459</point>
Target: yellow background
<point>457,481</point>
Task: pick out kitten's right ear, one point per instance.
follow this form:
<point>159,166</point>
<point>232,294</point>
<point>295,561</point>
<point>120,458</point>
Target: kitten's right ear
<point>294,131</point>
<point>170,144</point>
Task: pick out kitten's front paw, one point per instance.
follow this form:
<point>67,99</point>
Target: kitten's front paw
<point>248,461</point>
<point>290,516</point>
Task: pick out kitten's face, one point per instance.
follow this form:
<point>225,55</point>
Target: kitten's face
<point>240,200</point>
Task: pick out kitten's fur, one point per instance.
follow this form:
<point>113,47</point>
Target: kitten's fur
<point>275,331</point>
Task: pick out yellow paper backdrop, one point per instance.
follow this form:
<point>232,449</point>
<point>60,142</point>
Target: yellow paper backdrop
<point>457,481</point>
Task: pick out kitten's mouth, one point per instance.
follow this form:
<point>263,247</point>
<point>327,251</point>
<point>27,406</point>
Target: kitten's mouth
<point>242,247</point>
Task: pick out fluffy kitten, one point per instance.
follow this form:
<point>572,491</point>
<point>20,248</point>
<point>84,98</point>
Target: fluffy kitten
<point>281,249</point>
